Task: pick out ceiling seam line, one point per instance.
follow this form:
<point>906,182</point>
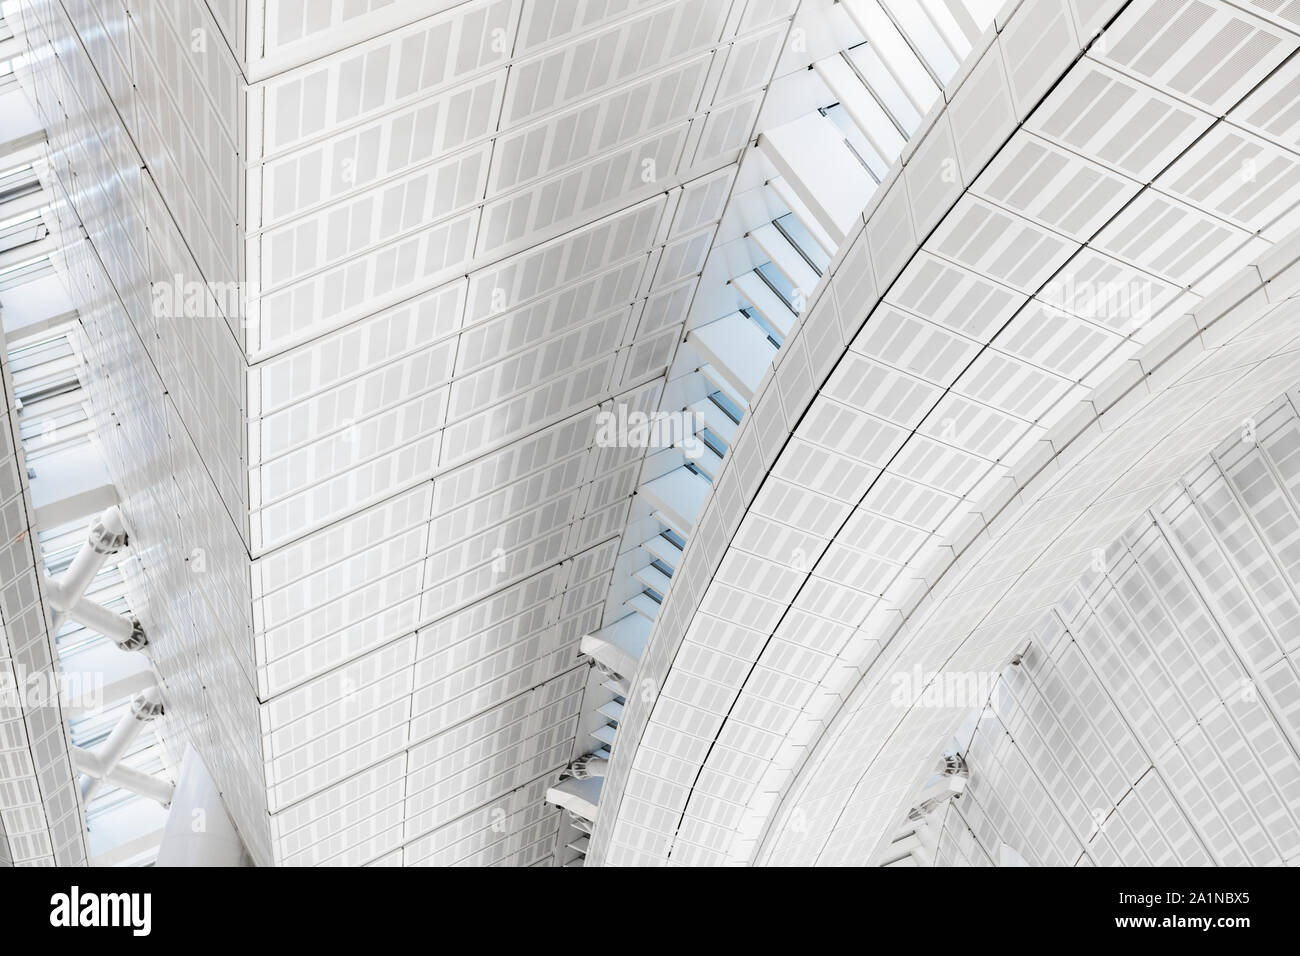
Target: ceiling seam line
<point>1161,172</point>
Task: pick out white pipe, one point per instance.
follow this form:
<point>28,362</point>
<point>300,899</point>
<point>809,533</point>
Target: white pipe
<point>119,627</point>
<point>146,785</point>
<point>155,788</point>
<point>67,596</point>
<point>145,707</point>
<point>589,765</point>
<point>87,762</point>
<point>105,536</point>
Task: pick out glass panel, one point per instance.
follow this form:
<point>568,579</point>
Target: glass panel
<point>881,82</point>
<point>697,470</point>
<point>894,52</point>
<point>941,13</point>
<point>919,29</point>
<point>780,285</point>
<point>729,408</point>
<point>756,317</point>
<point>714,443</point>
<point>857,143</point>
<point>673,538</point>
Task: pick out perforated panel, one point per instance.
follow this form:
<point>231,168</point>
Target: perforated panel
<point>1018,315</point>
<point>428,245</point>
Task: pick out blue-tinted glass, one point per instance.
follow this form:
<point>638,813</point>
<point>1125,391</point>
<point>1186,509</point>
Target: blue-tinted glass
<point>779,283</point>
<point>856,143</point>
<point>729,408</point>
<point>802,240</point>
<point>756,317</point>
<point>692,467</point>
<point>714,443</point>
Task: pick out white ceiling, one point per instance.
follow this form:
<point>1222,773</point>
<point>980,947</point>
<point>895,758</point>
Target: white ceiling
<point>863,494</point>
<point>372,519</point>
<point>425,248</point>
<point>1166,678</point>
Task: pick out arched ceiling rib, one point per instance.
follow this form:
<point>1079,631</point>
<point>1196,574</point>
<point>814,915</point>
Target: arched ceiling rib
<point>773,619</point>
<point>1144,430</point>
<point>1167,672</point>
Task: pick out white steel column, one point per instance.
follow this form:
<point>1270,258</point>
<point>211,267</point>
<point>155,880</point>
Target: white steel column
<point>106,536</point>
<point>144,708</point>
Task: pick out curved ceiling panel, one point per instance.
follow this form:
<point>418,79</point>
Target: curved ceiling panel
<point>1143,430</point>
<point>1055,287</point>
<point>1165,674</point>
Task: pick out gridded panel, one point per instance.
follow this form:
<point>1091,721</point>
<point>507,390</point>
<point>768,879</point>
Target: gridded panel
<point>376,76</point>
<point>990,242</point>
<point>552,265</point>
<point>1122,124</point>
<point>1099,136</point>
<point>1057,341</point>
<point>1270,109</point>
<point>954,297</point>
<point>593,64</point>
<point>419,328</point>
<point>914,345</point>
<point>983,113</point>
<point>352,288</point>
<point>1023,389</point>
<point>1171,239</point>
<point>1109,292</point>
<point>1036,46</point>
<point>558,142</point>
<point>457,434</point>
<point>559,200</point>
<point>544,24</point>
<point>372,218</point>
<point>1054,187</point>
<point>358,157</point>
<point>932,180</point>
<point>1242,178</point>
<point>419,409</point>
<point>1158,689</point>
<point>186,125</point>
<point>703,201</point>
<point>1169,42</point>
<point>41,822</point>
<point>726,129</point>
<point>750,61</point>
<point>1147,650</point>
